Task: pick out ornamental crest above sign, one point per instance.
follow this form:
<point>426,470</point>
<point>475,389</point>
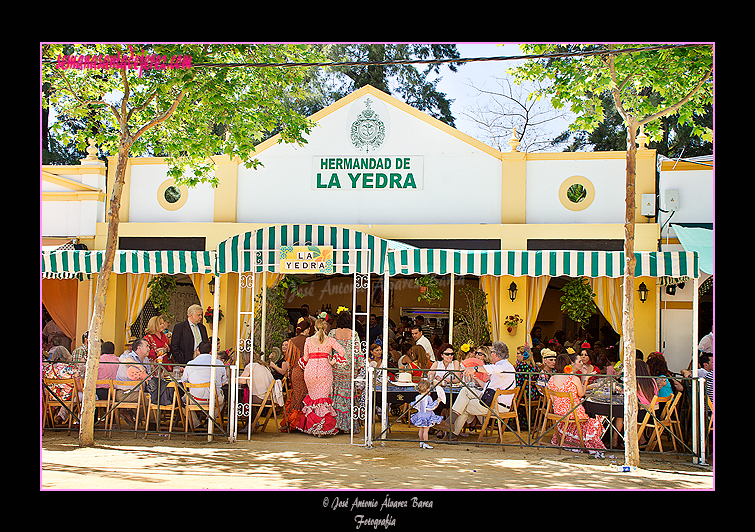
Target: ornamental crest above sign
<point>367,131</point>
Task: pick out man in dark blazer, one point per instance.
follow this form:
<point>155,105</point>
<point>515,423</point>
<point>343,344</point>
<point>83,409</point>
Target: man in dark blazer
<point>187,335</point>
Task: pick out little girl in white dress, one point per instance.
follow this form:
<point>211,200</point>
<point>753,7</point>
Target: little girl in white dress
<point>424,417</point>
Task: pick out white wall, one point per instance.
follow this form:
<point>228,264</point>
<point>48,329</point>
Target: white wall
<point>460,183</point>
<point>145,207</point>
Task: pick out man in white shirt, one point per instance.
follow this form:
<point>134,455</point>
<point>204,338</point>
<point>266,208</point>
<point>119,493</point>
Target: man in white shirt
<point>421,339</point>
<point>469,403</point>
<point>198,371</point>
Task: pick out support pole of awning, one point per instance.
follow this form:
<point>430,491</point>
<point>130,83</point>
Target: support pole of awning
<point>386,353</point>
<point>214,357</point>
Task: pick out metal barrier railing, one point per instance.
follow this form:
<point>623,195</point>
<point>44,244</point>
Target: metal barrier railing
<point>537,434</point>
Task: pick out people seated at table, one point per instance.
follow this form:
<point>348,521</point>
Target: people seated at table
<point>469,400</point>
<point>705,364</point>
<point>159,345</point>
<point>647,389</point>
<point>107,368</point>
<point>199,371</point>
<point>60,366</point>
<point>592,428</point>
<point>445,372</point>
<point>549,366</point>
<point>657,366</point>
<point>478,357</point>
<point>133,367</point>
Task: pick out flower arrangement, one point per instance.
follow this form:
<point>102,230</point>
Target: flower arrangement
<point>209,314</point>
<point>511,322</point>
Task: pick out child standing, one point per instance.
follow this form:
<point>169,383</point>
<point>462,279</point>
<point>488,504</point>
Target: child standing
<point>424,418</point>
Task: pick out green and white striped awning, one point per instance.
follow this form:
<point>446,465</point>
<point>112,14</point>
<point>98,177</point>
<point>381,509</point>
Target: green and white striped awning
<point>256,251</point>
<point>536,263</point>
<point>71,263</point>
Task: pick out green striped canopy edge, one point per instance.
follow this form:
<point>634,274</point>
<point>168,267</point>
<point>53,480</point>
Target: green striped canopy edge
<point>255,251</point>
<point>519,263</point>
<point>69,263</point>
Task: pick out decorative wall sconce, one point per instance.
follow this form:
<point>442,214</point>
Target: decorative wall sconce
<point>643,290</point>
<point>512,291</point>
<point>211,284</point>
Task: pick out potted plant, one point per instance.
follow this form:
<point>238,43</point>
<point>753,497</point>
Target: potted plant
<point>209,313</point>
<point>577,302</point>
<point>471,323</point>
<point>511,323</point>
<point>161,288</point>
<point>429,289</point>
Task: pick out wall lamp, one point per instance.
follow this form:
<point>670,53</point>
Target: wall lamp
<point>643,290</point>
<point>512,291</point>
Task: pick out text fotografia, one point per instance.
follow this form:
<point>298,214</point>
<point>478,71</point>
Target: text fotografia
<point>141,61</point>
<point>387,504</point>
<point>358,173</point>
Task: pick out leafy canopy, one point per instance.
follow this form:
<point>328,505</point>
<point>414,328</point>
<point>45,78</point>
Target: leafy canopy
<point>647,83</point>
<point>218,109</point>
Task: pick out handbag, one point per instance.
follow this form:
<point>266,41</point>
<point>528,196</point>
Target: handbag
<point>487,396</point>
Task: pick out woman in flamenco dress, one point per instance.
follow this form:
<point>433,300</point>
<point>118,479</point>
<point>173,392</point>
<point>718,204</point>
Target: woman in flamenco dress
<point>298,391</point>
<point>320,353</point>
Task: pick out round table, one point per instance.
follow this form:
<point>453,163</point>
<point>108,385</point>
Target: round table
<point>600,406</point>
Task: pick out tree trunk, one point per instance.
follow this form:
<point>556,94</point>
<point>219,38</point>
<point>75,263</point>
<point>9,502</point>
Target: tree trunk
<point>86,427</point>
<point>631,448</point>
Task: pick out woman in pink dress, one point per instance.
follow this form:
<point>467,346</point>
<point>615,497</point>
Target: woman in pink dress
<point>318,415</point>
<point>592,428</point>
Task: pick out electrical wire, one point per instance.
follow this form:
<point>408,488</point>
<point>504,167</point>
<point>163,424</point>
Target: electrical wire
<point>561,55</point>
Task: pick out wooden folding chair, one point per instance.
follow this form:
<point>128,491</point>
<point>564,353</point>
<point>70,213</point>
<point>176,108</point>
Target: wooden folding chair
<point>133,400</point>
<point>541,408</point>
<point>501,416</point>
<point>710,420</point>
<point>159,409</point>
<point>570,419</point>
<point>201,405</point>
<point>648,420</point>
<point>266,404</point>
<point>666,423</point>
<point>105,403</point>
<point>52,401</point>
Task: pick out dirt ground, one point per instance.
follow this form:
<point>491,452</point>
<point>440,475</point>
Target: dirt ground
<point>303,462</point>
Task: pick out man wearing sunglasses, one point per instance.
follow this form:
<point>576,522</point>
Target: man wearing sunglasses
<point>468,403</point>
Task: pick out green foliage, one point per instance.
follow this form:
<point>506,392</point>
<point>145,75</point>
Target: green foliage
<point>187,115</point>
<point>471,323</point>
<point>433,292</point>
<point>161,288</point>
<point>276,322</point>
<point>577,302</point>
<point>649,84</point>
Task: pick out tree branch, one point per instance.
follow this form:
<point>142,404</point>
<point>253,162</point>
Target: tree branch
<point>672,108</point>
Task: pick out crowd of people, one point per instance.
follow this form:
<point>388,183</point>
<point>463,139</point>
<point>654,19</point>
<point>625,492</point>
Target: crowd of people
<point>323,354</point>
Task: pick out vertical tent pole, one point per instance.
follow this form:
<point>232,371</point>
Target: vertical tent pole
<point>214,357</point>
<point>451,310</point>
<point>386,352</point>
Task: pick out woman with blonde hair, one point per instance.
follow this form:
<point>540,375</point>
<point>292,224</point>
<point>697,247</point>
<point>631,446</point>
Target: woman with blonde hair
<point>342,372</point>
<point>321,352</point>
<point>158,342</point>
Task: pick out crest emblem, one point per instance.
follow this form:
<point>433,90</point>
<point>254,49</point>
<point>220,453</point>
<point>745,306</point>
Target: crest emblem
<point>367,131</point>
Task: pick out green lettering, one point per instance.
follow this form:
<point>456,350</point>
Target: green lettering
<point>398,163</point>
<point>367,182</point>
<point>354,179</point>
<point>323,164</point>
<point>409,181</point>
<point>381,183</point>
<point>339,164</point>
<point>379,164</point>
<point>319,182</point>
<point>396,179</point>
<point>373,164</point>
<point>349,164</point>
<point>406,163</point>
<point>334,181</point>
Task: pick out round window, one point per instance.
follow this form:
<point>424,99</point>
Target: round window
<point>170,196</point>
<point>576,193</point>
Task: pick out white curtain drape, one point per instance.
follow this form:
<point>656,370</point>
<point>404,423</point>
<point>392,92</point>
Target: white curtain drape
<point>608,296</point>
<point>536,287</point>
<point>137,294</point>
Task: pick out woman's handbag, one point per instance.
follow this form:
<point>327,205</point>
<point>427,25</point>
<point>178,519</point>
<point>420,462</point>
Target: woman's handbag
<point>487,396</point>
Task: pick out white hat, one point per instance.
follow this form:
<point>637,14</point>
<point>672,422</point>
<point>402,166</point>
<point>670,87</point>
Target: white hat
<point>404,379</point>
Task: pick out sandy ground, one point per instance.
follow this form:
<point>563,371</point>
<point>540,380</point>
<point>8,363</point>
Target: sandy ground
<point>323,465</point>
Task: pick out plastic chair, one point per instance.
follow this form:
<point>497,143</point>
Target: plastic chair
<point>53,400</point>
<point>195,404</point>
<point>159,409</point>
<point>134,399</point>
<point>569,419</point>
<point>513,413</point>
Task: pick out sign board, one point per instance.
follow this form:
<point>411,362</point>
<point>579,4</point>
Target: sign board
<point>368,172</point>
<point>306,259</point>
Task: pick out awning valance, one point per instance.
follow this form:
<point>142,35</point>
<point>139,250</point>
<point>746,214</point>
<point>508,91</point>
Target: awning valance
<point>58,263</point>
<point>698,239</point>
<point>258,250</point>
<point>536,263</point>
